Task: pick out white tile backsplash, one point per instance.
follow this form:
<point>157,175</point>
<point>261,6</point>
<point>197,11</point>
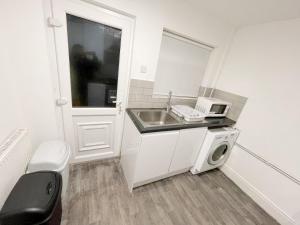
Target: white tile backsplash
<point>141,96</point>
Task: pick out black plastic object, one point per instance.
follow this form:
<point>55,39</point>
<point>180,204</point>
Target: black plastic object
<point>34,200</point>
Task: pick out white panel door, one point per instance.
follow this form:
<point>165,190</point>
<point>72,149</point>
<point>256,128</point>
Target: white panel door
<point>187,148</point>
<point>155,155</point>
<point>93,49</point>
<point>93,134</point>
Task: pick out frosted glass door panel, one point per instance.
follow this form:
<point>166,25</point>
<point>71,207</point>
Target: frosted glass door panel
<point>94,51</point>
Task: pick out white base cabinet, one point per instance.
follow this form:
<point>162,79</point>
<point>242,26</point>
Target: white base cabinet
<point>152,156</point>
<point>187,148</point>
<point>155,155</point>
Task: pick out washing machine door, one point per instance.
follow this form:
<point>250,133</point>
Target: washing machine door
<point>219,153</point>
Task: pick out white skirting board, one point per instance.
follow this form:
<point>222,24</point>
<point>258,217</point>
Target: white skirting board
<point>267,204</point>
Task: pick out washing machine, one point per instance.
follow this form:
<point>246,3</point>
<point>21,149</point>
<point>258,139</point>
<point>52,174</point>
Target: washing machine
<point>215,149</point>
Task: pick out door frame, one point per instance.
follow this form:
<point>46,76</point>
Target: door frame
<point>68,132</point>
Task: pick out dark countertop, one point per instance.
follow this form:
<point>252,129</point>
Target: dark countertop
<point>208,122</point>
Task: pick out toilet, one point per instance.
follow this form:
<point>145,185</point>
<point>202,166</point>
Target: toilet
<point>53,156</point>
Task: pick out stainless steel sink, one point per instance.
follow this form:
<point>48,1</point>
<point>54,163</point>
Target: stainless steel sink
<point>155,117</point>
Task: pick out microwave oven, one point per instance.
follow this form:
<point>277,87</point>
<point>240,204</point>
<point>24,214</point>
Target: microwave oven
<point>212,107</point>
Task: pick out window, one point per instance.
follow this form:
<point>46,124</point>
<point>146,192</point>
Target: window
<point>94,51</point>
<point>181,65</point>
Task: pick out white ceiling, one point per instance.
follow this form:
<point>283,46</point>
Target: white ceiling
<point>248,12</point>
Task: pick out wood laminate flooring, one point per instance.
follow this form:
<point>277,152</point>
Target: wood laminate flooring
<point>98,195</point>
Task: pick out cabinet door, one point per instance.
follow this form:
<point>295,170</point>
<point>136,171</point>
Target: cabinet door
<point>187,148</point>
<point>155,155</point>
<point>130,148</point>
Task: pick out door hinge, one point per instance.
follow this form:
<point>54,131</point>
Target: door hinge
<point>53,22</point>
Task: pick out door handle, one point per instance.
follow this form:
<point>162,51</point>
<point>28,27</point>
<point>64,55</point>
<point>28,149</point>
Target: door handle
<point>118,105</point>
<point>61,101</point>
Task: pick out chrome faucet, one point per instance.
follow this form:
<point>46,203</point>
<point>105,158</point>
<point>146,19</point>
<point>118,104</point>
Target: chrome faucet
<point>169,101</point>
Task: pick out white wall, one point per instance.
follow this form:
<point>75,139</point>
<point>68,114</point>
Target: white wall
<point>13,160</point>
<point>179,16</point>
<point>25,29</point>
<point>263,65</point>
<point>33,77</point>
<point>10,114</point>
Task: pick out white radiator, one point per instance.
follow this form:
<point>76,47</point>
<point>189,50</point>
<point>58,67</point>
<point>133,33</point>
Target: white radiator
<point>15,152</point>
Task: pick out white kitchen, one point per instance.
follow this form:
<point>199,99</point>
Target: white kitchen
<point>149,112</point>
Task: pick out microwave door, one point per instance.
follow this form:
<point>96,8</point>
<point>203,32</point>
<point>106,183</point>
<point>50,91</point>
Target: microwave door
<point>217,109</point>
